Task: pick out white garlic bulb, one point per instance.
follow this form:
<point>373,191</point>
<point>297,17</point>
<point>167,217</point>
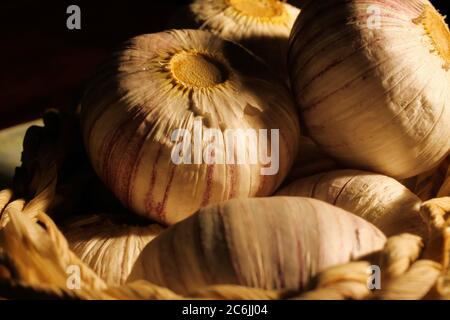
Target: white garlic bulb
<point>376,198</point>
<point>109,248</point>
<point>263,26</point>
<point>371,79</point>
<point>268,243</point>
<point>181,119</point>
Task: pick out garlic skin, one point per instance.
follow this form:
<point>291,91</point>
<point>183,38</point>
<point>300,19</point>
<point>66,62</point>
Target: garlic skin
<point>268,243</point>
<point>263,26</point>
<point>167,81</point>
<point>108,248</point>
<point>376,198</point>
<point>371,79</point>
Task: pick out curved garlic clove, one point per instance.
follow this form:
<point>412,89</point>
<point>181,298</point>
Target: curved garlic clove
<point>268,243</point>
<point>263,26</point>
<point>378,199</point>
<point>165,85</point>
<point>107,247</point>
<point>371,79</point>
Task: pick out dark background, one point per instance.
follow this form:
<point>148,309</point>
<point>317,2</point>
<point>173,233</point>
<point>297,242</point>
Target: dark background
<point>44,65</point>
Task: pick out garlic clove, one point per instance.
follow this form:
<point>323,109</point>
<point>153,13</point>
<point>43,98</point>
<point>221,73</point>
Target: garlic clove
<point>109,248</point>
<point>263,26</point>
<point>371,79</point>
<point>186,80</point>
<point>376,198</point>
<point>267,243</point>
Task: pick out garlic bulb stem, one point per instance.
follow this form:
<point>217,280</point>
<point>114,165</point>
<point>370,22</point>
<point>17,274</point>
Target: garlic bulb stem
<point>438,32</point>
<point>258,9</point>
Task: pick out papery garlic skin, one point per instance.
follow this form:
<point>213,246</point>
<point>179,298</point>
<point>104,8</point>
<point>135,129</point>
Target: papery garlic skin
<point>269,243</point>
<point>371,79</point>
<point>165,82</point>
<point>263,26</point>
<point>376,198</point>
<point>110,249</point>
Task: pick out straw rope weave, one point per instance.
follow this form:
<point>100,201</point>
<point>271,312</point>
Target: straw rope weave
<point>34,255</point>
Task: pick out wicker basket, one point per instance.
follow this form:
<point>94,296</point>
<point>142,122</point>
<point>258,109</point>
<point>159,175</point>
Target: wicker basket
<point>55,180</point>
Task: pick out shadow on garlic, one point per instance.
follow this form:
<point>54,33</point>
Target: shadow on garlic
<point>376,198</point>
<point>434,183</point>
<point>110,248</point>
<point>262,26</point>
<point>444,191</point>
<point>267,243</point>
<point>310,160</point>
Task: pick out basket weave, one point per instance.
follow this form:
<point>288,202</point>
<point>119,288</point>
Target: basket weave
<point>53,178</point>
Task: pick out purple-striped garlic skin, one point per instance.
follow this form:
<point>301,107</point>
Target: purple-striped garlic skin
<point>371,80</point>
<point>268,243</point>
<point>381,200</point>
<point>163,82</point>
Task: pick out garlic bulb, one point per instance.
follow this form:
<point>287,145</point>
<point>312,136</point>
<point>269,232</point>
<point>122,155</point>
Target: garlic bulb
<point>182,119</point>
<point>268,243</point>
<point>378,199</point>
<point>371,79</point>
<point>109,248</point>
<point>263,26</point>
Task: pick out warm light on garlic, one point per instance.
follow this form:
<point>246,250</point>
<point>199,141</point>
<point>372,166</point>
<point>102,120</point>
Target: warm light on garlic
<point>263,26</point>
<point>269,243</point>
<point>378,199</point>
<point>182,119</point>
<point>371,79</point>
<point>108,248</point>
